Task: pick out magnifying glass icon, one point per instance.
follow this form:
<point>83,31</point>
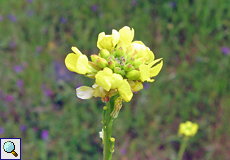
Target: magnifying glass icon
<point>9,147</point>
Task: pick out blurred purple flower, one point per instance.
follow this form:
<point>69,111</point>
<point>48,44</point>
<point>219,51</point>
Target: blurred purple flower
<point>18,68</point>
<point>94,8</point>
<point>48,92</point>
<point>63,20</point>
<point>45,134</point>
<point>134,3</point>
<point>2,130</point>
<point>19,83</point>
<point>30,0</point>
<point>173,4</point>
<point>146,85</point>
<point>225,50</point>
<point>23,127</point>
<point>1,18</point>
<point>31,12</point>
<point>39,49</point>
<point>12,44</point>
<point>123,151</point>
<point>9,98</point>
<point>61,72</point>
<point>12,18</point>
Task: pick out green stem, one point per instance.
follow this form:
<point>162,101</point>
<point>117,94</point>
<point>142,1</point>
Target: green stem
<point>182,148</point>
<point>107,133</point>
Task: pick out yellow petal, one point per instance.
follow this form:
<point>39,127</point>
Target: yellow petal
<point>126,35</point>
<point>82,65</point>
<point>144,72</point>
<point>125,91</point>
<point>71,61</point>
<point>156,69</point>
<point>116,80</point>
<point>103,78</point>
<point>75,49</point>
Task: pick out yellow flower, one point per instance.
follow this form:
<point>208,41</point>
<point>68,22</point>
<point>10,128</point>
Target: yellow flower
<point>188,129</point>
<point>108,41</point>
<point>77,62</point>
<point>120,67</point>
<point>126,35</point>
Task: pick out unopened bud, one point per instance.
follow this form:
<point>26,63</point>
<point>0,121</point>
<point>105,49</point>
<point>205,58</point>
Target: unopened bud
<point>133,75</point>
<point>101,62</point>
<point>120,49</point>
<point>137,63</point>
<point>104,53</point>
<point>128,67</point>
<point>111,64</point>
<point>94,58</point>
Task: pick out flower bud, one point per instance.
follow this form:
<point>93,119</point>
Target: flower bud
<point>101,62</point>
<point>111,64</point>
<point>118,70</point>
<point>120,49</point>
<point>94,58</point>
<point>104,53</point>
<point>128,67</point>
<point>133,75</point>
<point>137,63</point>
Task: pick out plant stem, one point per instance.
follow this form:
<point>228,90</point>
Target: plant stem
<point>182,148</point>
<point>107,134</point>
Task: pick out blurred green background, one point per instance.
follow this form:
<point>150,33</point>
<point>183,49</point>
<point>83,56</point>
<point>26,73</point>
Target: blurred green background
<point>38,102</point>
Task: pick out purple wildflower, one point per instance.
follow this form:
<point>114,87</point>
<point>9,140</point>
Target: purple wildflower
<point>146,86</point>
<point>134,3</point>
<point>12,44</point>
<point>225,50</point>
<point>19,83</point>
<point>2,130</point>
<point>31,12</point>
<point>173,4</point>
<point>17,68</point>
<point>23,127</point>
<point>12,18</point>
<point>94,8</point>
<point>45,134</point>
<point>63,20</point>
<point>30,0</point>
<point>9,98</point>
<point>39,49</point>
<point>48,92</point>
<point>1,18</point>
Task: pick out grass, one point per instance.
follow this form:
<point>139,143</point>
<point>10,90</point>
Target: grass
<point>37,91</point>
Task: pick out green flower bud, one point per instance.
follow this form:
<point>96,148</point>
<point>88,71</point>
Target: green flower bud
<point>137,63</point>
<point>120,49</point>
<point>111,64</point>
<point>128,67</point>
<point>133,75</point>
<point>94,58</point>
<point>118,70</point>
<point>104,53</point>
<point>101,62</point>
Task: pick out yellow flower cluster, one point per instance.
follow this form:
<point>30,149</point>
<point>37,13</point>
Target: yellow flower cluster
<point>188,129</point>
<point>120,67</point>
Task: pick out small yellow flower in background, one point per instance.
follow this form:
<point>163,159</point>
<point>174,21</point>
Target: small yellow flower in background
<point>188,129</point>
<point>120,67</point>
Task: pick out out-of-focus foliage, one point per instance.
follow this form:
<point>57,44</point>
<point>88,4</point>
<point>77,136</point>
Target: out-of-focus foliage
<point>37,92</point>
